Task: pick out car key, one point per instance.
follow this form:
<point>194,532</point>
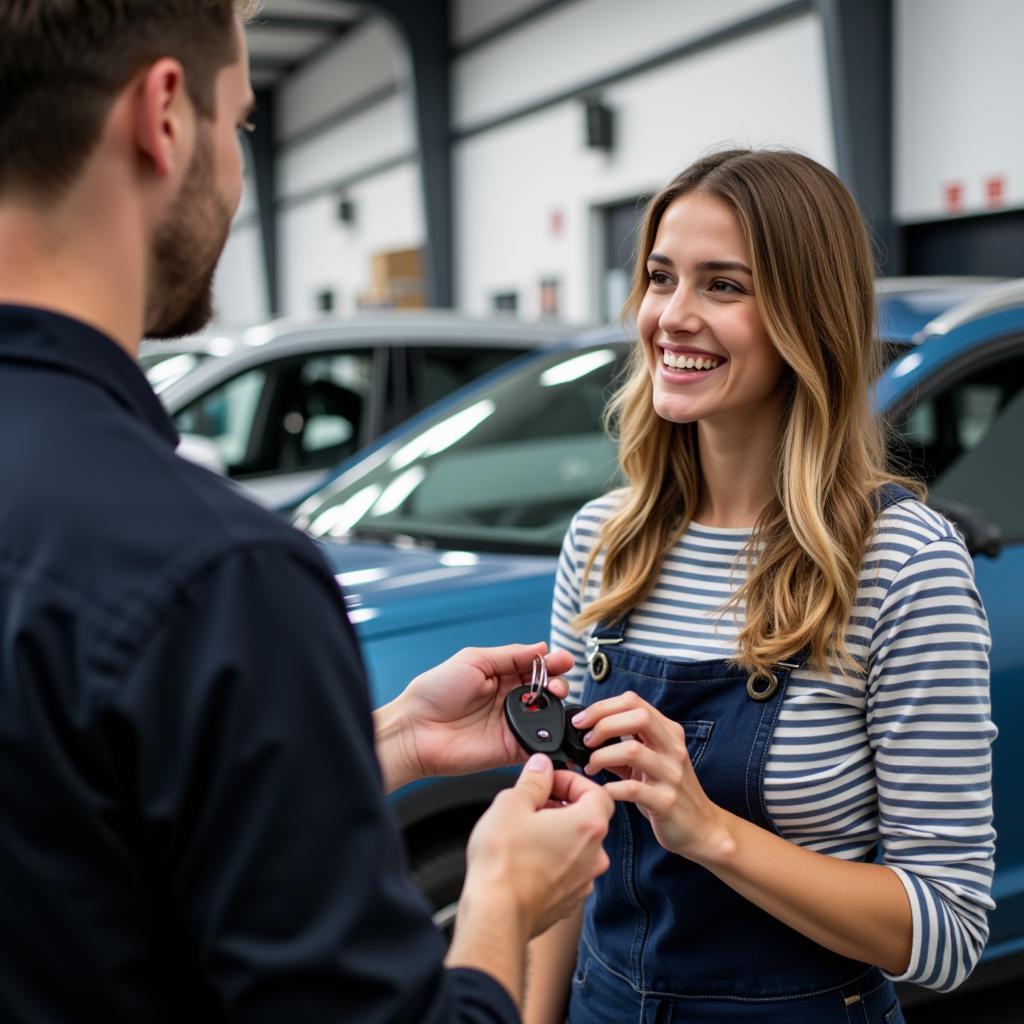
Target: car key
<point>572,741</point>
<point>537,721</point>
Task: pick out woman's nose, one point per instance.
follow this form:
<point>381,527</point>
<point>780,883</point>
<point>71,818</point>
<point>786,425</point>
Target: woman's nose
<point>680,315</point>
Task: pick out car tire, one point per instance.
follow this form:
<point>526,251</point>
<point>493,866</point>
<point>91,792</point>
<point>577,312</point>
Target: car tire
<point>438,871</point>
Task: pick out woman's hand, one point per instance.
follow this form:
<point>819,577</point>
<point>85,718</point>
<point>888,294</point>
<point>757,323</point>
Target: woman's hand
<point>655,771</point>
<point>450,720</point>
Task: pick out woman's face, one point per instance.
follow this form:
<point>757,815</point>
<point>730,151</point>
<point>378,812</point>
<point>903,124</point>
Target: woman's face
<point>706,347</point>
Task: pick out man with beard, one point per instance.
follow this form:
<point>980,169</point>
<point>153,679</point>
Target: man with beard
<point>194,823</point>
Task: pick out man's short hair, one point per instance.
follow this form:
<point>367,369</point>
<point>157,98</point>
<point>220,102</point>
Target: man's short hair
<point>62,63</point>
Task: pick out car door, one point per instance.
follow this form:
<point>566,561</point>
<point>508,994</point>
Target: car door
<point>965,435</point>
<point>278,426</point>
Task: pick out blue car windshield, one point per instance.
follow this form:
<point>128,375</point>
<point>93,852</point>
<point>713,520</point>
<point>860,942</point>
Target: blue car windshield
<point>504,470</point>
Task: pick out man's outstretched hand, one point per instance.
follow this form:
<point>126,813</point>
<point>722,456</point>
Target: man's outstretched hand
<point>450,720</point>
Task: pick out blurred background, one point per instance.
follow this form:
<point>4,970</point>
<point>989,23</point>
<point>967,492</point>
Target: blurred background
<point>492,155</point>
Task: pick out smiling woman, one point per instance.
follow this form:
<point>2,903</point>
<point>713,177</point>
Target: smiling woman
<point>748,619</point>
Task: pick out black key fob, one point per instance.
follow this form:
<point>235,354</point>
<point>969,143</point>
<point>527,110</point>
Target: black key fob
<point>572,741</point>
<point>538,727</point>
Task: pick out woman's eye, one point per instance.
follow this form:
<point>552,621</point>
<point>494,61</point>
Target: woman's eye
<point>723,287</point>
<point>658,277</point>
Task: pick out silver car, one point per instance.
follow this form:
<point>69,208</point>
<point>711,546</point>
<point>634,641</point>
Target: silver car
<point>277,405</point>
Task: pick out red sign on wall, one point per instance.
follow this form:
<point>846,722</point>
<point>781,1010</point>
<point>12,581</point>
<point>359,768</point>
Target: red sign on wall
<point>954,196</point>
<point>995,190</point>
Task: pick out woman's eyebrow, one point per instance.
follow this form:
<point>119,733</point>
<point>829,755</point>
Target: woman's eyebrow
<point>725,265</point>
<point>705,266</point>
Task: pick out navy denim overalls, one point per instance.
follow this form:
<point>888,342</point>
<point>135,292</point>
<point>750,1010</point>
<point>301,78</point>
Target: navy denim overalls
<point>663,940</point>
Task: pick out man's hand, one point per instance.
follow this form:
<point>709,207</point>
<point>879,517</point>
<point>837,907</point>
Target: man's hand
<point>531,860</point>
<point>450,720</point>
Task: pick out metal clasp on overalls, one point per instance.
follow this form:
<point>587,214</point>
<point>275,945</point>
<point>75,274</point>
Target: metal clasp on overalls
<point>759,688</point>
<point>600,664</point>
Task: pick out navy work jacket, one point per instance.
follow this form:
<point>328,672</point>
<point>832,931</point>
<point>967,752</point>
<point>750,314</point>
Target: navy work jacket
<point>193,825</point>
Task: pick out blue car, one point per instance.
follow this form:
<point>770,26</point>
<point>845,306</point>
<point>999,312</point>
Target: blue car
<point>446,534</point>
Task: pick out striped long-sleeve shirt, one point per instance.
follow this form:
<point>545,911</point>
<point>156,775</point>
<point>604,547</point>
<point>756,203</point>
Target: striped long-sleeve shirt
<point>898,755</point>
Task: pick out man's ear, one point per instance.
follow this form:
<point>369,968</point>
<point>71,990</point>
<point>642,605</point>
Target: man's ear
<point>164,120</point>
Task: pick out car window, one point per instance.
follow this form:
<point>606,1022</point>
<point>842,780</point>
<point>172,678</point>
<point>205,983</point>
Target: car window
<point>288,416</point>
<point>440,371</point>
<point>503,470</point>
<point>965,441</point>
<point>326,419</point>
<point>227,416</point>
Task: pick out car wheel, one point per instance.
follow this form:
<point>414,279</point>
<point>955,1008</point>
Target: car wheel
<point>438,870</point>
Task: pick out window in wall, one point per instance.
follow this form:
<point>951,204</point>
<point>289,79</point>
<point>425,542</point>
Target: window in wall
<point>505,302</point>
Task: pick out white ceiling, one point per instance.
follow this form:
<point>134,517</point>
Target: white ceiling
<point>288,33</point>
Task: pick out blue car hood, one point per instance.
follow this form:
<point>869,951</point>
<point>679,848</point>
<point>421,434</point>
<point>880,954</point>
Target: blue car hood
<point>391,590</point>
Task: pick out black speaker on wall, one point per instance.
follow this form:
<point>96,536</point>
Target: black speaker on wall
<point>346,211</point>
<point>600,124</point>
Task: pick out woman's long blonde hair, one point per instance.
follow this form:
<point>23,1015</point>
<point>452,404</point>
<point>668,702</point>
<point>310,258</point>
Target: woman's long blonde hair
<point>813,279</point>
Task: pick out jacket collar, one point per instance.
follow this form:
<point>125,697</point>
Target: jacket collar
<point>58,342</point>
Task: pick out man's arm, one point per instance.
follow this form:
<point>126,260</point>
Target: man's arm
<point>258,790</point>
<point>246,739</point>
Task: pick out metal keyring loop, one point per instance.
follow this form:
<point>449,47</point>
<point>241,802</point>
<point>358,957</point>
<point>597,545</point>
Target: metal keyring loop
<point>538,679</point>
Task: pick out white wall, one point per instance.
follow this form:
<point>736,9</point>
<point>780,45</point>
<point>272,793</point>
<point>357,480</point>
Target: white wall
<point>577,42</point>
<point>320,252</point>
<point>240,294</point>
<point>510,179</point>
<point>959,83</point>
<point>365,76</point>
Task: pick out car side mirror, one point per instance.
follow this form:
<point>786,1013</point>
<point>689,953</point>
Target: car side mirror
<point>202,451</point>
<point>981,535</point>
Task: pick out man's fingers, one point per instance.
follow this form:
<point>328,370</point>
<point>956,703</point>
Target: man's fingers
<point>570,786</point>
<point>517,659</point>
<point>536,780</point>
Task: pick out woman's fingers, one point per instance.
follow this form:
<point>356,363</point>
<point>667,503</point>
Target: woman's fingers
<point>589,716</point>
<point>646,723</point>
<point>634,755</point>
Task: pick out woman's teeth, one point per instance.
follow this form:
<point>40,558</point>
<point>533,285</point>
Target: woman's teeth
<point>681,362</point>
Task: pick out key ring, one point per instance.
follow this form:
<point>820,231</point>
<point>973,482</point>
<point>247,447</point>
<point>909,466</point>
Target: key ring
<point>538,680</point>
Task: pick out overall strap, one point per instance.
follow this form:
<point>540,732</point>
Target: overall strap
<point>610,632</point>
<point>890,494</point>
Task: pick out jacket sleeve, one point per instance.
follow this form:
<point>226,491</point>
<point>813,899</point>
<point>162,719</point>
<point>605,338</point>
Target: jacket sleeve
<point>261,807</point>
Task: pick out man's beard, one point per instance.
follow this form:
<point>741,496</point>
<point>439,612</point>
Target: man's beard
<point>186,249</point>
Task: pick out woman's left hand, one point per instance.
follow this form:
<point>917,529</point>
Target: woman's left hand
<point>655,771</point>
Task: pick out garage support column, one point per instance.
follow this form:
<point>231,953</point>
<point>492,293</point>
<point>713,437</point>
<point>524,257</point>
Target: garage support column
<point>859,55</point>
<point>262,149</point>
<point>424,25</point>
